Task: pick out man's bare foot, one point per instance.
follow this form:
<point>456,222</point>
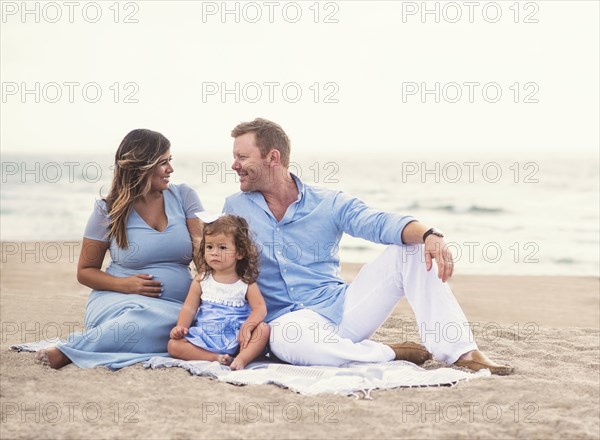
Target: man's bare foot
<point>238,364</point>
<point>224,359</point>
<point>52,357</point>
<point>476,360</point>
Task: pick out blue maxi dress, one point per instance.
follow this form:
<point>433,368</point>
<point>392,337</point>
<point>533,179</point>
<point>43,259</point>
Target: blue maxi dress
<point>124,329</point>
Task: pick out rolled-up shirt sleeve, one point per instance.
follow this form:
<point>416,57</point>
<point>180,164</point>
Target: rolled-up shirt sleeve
<point>355,218</point>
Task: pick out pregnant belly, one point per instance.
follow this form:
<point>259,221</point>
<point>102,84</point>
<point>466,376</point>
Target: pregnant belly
<point>176,278</point>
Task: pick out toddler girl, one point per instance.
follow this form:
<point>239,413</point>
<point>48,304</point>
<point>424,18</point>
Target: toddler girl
<point>230,318</point>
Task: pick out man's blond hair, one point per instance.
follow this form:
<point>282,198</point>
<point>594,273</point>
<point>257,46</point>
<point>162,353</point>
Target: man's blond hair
<point>269,136</point>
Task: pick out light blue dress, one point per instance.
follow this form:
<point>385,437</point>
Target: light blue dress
<point>222,313</point>
<point>123,329</point>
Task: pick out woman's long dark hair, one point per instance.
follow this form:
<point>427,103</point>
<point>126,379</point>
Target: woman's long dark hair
<point>135,161</point>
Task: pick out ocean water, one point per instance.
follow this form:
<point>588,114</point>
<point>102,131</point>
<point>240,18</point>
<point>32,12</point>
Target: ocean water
<point>501,214</point>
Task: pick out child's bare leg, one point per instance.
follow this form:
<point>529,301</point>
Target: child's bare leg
<point>258,341</point>
<point>52,357</point>
<point>183,349</point>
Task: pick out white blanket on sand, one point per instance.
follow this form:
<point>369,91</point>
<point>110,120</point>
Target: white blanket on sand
<point>348,380</point>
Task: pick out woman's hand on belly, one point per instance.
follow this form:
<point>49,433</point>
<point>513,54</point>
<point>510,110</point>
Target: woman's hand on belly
<point>142,284</point>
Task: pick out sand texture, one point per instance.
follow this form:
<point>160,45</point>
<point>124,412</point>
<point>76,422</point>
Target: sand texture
<point>546,327</point>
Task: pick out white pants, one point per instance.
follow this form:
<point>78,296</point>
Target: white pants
<point>304,337</point>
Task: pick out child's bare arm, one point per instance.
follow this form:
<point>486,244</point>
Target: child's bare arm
<point>258,314</point>
<point>188,310</point>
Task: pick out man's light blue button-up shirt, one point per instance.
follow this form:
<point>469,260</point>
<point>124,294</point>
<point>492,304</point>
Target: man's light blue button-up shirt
<point>300,266</point>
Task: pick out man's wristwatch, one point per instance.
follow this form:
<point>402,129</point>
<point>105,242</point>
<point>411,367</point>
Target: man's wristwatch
<point>433,231</point>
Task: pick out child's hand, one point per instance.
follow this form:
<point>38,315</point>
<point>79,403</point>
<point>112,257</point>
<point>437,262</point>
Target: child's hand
<point>244,336</point>
<point>178,332</point>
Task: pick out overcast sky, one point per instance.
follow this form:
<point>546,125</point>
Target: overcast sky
<point>344,75</point>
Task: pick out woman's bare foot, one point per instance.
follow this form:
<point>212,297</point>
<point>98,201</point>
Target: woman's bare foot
<point>224,359</point>
<point>52,357</point>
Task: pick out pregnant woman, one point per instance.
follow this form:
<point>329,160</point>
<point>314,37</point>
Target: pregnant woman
<point>147,225</point>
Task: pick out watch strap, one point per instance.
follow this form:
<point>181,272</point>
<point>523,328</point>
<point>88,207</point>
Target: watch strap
<point>433,231</point>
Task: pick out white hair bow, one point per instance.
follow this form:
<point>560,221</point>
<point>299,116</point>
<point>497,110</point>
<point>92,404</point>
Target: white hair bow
<point>208,217</point>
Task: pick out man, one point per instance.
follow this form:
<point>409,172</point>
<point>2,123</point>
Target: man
<point>315,317</point>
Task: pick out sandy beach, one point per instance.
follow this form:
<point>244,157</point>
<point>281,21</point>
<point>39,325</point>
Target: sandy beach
<point>546,327</point>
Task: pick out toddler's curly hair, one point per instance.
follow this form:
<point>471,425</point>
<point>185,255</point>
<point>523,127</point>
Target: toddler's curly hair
<point>237,228</point>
